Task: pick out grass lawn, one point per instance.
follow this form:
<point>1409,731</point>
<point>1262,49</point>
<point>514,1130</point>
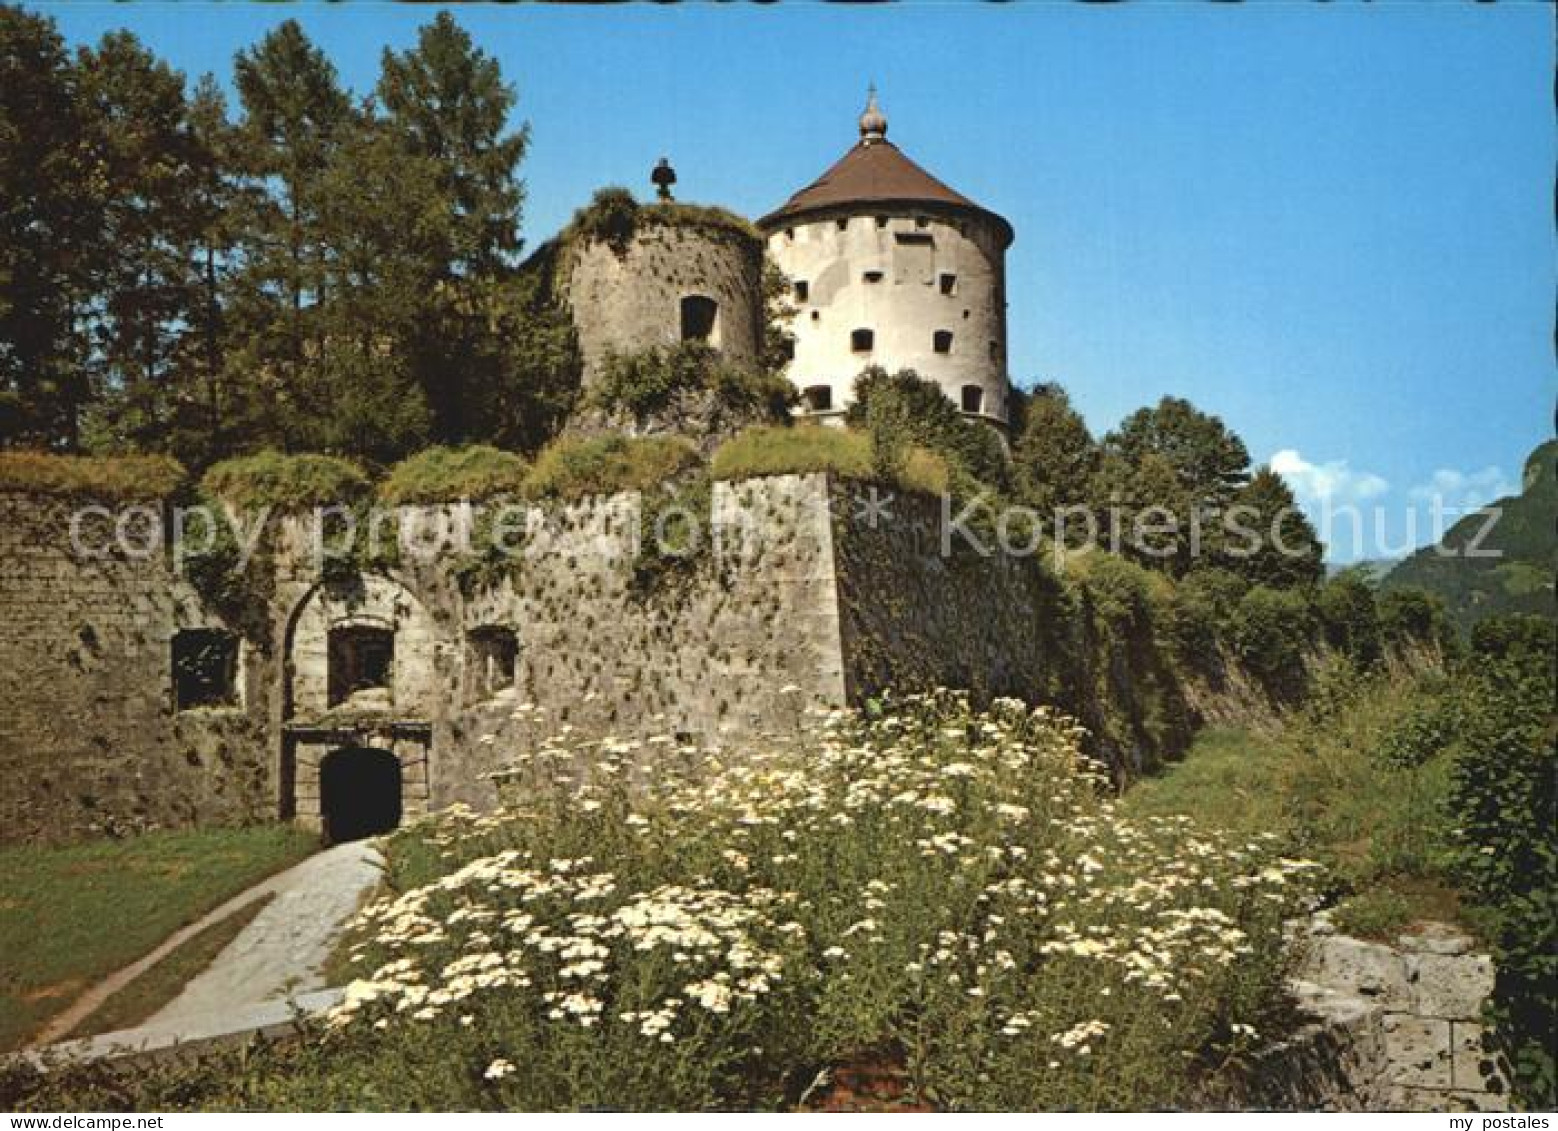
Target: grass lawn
<point>71,915</point>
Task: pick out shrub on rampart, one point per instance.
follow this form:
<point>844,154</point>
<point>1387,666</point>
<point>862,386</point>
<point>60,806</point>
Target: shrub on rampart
<point>113,478</point>
<point>441,475</point>
<point>806,448</point>
<point>647,382</point>
<point>570,469</point>
<point>286,482</point>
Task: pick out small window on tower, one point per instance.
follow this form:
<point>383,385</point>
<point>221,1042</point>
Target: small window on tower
<point>843,223</point>
<point>921,222</point>
<point>949,284</point>
<point>995,350</point>
<point>881,221</point>
<point>973,399</point>
<point>862,341</point>
<point>942,339</point>
<point>818,398</point>
<point>872,276</point>
<point>802,290</point>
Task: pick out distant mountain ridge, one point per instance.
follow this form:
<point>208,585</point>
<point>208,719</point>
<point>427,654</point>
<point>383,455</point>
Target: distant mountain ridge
<point>1524,538</point>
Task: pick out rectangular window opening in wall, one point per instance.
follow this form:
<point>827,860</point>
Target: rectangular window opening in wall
<point>949,284</point>
<point>491,659</point>
<point>861,341</point>
<point>995,350</point>
<point>922,221</point>
<point>843,223</point>
<point>699,316</point>
<point>942,340</point>
<point>881,221</point>
<point>871,276</point>
<point>917,239</point>
<point>802,290</point>
<point>818,398</point>
<point>205,668</point>
<point>973,399</point>
<point>362,665</point>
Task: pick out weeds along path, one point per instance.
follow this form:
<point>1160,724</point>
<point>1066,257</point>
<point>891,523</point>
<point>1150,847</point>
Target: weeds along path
<point>280,953</point>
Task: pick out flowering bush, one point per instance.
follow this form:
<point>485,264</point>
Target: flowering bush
<point>921,890</point>
<point>649,925</point>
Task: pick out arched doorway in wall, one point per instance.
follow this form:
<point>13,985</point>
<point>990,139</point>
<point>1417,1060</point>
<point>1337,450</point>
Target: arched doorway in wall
<point>359,793</point>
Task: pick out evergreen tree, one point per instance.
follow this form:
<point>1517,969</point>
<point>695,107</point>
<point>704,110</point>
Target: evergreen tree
<point>1282,550</point>
<point>294,118</point>
<point>447,107</point>
<point>145,296</point>
<point>50,227</point>
<point>207,428</point>
<point>1055,457</point>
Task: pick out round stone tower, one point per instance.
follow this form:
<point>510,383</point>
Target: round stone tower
<point>661,274</point>
<point>890,267</point>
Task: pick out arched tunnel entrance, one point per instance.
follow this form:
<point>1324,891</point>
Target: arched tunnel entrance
<point>359,793</point>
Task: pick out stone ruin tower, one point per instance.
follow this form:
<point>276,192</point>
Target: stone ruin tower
<point>890,267</point>
<point>676,273</point>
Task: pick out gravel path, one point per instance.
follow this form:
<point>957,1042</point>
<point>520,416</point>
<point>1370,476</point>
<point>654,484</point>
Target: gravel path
<point>278,955</point>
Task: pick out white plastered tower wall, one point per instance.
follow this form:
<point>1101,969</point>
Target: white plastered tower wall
<point>891,268</point>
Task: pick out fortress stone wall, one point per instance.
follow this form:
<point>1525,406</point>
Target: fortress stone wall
<point>796,603</point>
<point>90,742</point>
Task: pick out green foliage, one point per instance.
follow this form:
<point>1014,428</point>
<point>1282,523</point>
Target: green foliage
<point>1274,544</point>
<point>285,482</point>
<point>51,229</point>
<point>1349,619</point>
<point>1525,640</point>
<point>614,217</point>
<point>1120,590</point>
<point>903,410</point>
<point>76,914</point>
<point>1208,460</point>
<point>647,382</point>
<point>611,217</point>
<point>318,274</point>
<point>1202,614</point>
<point>1414,618</point>
<point>570,469</point>
<point>1378,913</point>
<point>112,478</point>
<point>1505,802</point>
<point>804,448</point>
<point>442,475</point>
<point>1055,457</point>
<point>1272,634</point>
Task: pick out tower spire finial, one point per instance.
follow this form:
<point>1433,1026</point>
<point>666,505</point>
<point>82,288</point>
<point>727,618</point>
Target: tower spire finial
<point>873,123</point>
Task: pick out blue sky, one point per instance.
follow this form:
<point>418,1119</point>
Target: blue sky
<point>1331,225</point>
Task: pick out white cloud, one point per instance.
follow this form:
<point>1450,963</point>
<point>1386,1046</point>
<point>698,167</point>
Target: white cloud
<point>1457,490</point>
<point>1332,483</point>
